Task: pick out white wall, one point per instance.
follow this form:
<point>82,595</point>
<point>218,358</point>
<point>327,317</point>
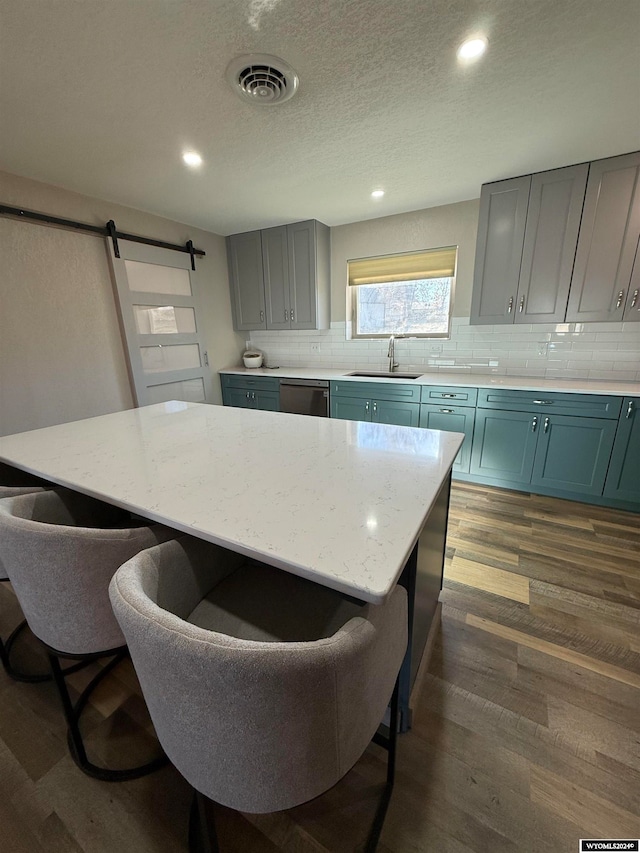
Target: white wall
<point>61,353</point>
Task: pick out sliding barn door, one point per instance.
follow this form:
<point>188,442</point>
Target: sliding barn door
<point>161,325</point>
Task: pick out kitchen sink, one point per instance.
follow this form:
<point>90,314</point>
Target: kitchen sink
<point>382,374</point>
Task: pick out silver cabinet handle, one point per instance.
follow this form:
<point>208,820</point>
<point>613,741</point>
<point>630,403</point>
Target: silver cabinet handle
<point>291,315</point>
<point>546,425</point>
<point>534,424</point>
<point>448,411</point>
<point>366,406</point>
<point>375,407</point>
<point>620,298</point>
<point>247,395</point>
<point>510,306</point>
<point>634,298</point>
<point>262,316</point>
<point>629,409</point>
<point>543,402</point>
<point>286,315</point>
<point>448,395</point>
<point>521,305</point>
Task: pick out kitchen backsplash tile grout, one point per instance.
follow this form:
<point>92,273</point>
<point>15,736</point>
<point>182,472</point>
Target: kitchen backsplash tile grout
<point>563,350</point>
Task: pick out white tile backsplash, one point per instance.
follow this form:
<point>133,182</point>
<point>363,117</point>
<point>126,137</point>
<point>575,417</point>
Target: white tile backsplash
<point>573,351</point>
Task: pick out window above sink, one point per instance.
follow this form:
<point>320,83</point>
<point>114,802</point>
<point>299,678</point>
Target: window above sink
<point>406,295</point>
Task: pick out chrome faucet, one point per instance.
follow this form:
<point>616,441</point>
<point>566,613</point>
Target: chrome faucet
<point>391,354</point>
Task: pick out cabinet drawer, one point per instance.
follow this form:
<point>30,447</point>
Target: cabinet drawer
<point>582,405</point>
<point>255,383</point>
<point>449,394</point>
<point>392,390</point>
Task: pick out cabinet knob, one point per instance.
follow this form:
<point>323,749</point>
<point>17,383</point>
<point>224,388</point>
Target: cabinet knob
<point>286,315</point>
<point>521,305</point>
<point>262,316</point>
<point>620,298</point>
<point>634,298</point>
<point>291,315</point>
<point>510,306</point>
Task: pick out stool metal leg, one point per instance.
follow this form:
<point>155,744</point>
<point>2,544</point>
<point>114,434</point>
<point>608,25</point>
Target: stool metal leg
<point>16,674</point>
<point>391,744</point>
<point>72,715</point>
<point>202,827</point>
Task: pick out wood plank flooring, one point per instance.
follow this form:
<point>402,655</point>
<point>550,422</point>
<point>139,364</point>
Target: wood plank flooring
<point>526,730</point>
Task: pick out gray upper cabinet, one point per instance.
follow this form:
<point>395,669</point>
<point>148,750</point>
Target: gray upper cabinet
<point>244,256</point>
<point>503,214</point>
<point>291,289</point>
<point>527,236</point>
<point>608,241</point>
<point>632,311</point>
<point>275,261</point>
<point>550,240</point>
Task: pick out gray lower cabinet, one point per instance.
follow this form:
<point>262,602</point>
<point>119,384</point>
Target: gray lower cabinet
<point>452,419</point>
<point>248,392</point>
<point>572,454</point>
<point>279,277</point>
<point>608,241</point>
<point>382,403</point>
<point>504,445</point>
<point>623,479</point>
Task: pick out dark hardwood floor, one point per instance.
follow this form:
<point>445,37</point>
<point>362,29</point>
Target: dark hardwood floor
<point>526,732</point>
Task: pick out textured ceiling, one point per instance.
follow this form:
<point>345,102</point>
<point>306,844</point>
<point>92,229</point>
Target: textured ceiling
<point>103,97</point>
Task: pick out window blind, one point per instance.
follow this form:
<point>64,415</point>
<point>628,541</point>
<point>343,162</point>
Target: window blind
<point>432,263</point>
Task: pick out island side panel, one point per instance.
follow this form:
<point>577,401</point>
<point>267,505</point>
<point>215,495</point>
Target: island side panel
<point>422,578</point>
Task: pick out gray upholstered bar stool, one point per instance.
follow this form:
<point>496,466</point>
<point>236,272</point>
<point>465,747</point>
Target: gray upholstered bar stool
<point>60,550</point>
<point>264,689</point>
<point>17,484</point>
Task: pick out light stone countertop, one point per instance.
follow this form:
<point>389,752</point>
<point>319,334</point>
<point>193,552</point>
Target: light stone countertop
<point>339,502</point>
<point>466,380</point>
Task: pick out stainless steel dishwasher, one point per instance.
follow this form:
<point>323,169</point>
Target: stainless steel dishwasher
<point>305,397</point>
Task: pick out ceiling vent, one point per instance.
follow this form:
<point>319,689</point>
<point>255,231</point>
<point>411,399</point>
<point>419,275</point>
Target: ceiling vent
<point>262,79</point>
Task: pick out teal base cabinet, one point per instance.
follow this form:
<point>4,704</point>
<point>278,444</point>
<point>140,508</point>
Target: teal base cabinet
<point>452,419</point>
<point>504,445</point>
<point>377,402</point>
<point>250,392</point>
<point>573,453</point>
<point>623,479</point>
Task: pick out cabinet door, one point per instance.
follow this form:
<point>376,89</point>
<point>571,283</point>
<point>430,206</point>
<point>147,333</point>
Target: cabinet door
<point>452,419</point>
<point>302,270</point>
<point>504,445</point>
<point>632,311</point>
<point>244,254</point>
<point>503,214</point>
<point>573,453</point>
<point>550,240</point>
<point>268,401</point>
<point>351,408</point>
<point>238,397</point>
<point>608,240</point>
<point>275,262</point>
<point>623,479</point>
<point>400,414</point>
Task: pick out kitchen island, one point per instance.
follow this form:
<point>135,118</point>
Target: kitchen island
<point>357,507</point>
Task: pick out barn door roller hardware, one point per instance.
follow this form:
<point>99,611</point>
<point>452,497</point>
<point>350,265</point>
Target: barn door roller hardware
<point>109,230</point>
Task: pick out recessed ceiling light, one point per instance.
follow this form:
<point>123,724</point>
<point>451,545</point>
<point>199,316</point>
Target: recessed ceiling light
<point>377,194</point>
<point>472,49</point>
<point>191,158</point>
